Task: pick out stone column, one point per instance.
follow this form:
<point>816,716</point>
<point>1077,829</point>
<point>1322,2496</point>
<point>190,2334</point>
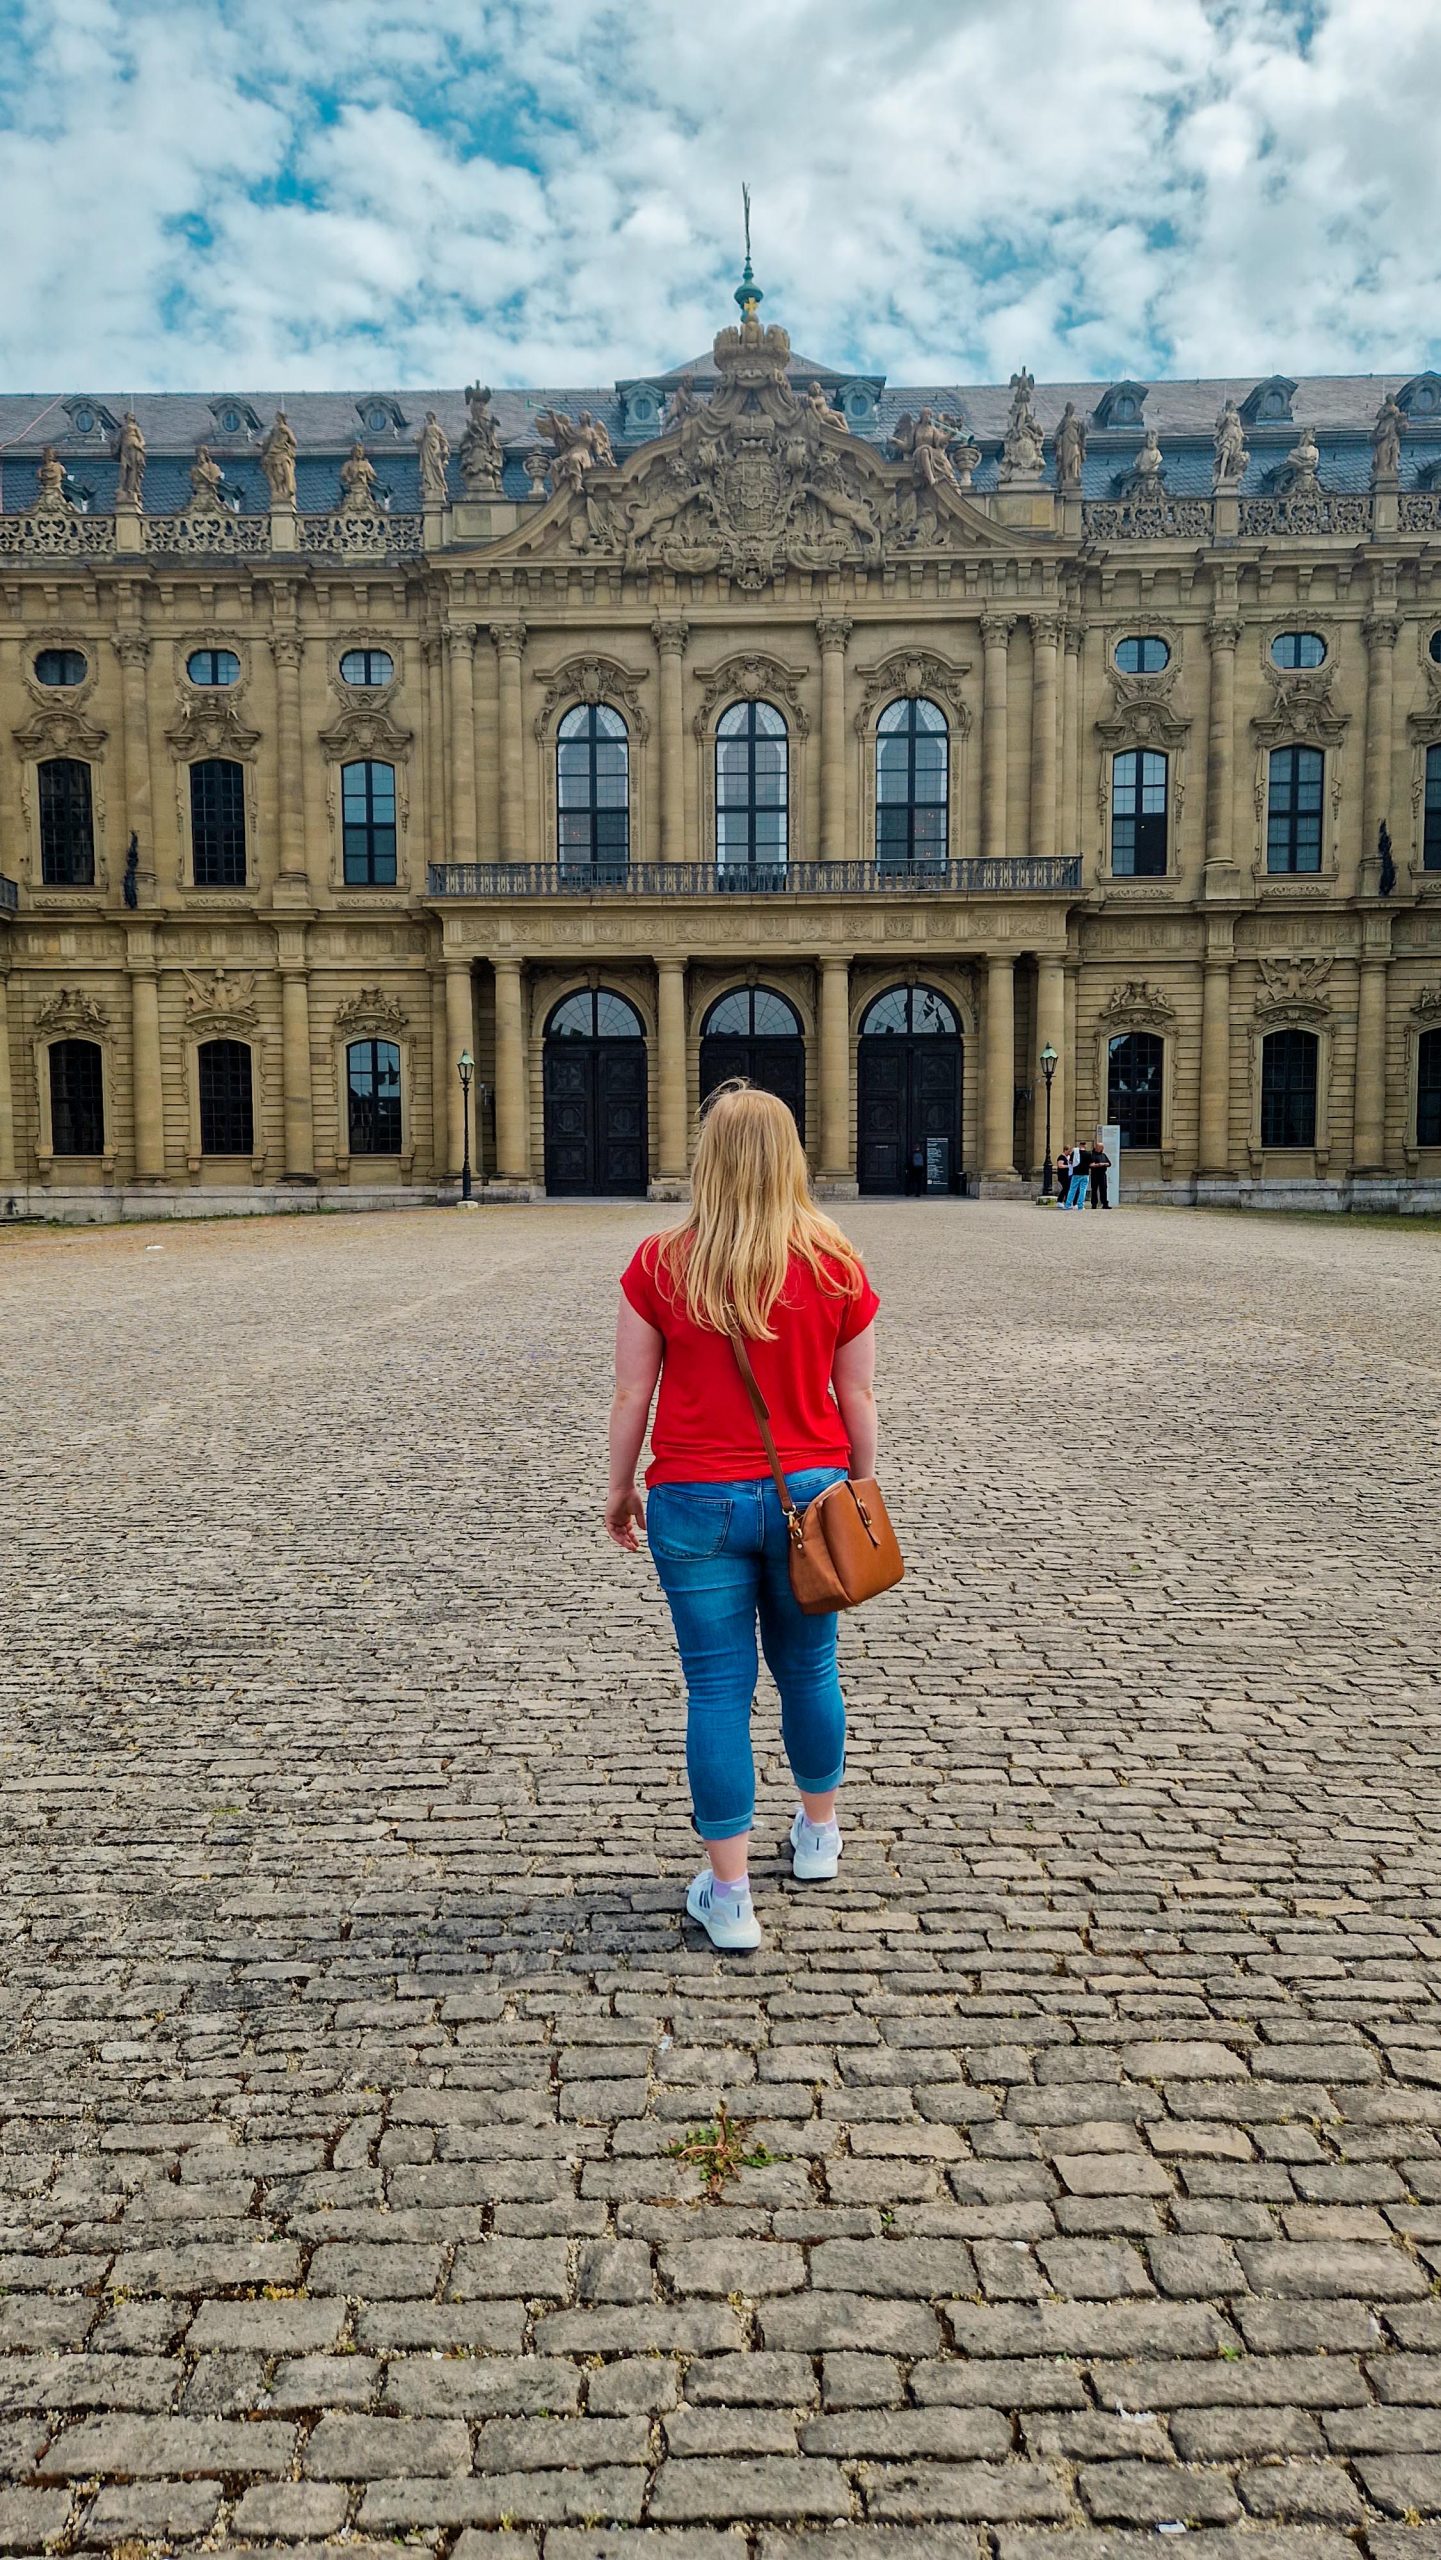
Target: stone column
<point>147,1096</point>
<point>1221,748</point>
<point>440,1074</point>
<point>1215,1158</point>
<point>1000,1069</point>
<point>509,638</point>
<point>7,1096</point>
<point>460,646</point>
<point>996,629</point>
<point>295,1056</point>
<point>670,640</point>
<point>671,1070</point>
<point>1045,634</point>
<point>833,631</point>
<point>459,1036</point>
<point>432,659</point>
<point>1381,634</point>
<point>1071,739</point>
<point>133,651</point>
<point>1051,1026</point>
<point>290,762</point>
<point>834,1065</point>
<point>1368,1139</point>
<point>512,1098</point>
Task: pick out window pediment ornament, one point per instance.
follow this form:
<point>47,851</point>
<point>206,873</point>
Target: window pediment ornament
<point>59,730</point>
<point>1143,710</point>
<point>219,1005</point>
<point>365,730</point>
<point>1303,710</point>
<point>71,1012</point>
<point>751,677</point>
<point>907,674</point>
<point>594,679</point>
<point>1294,985</point>
<point>207,727</point>
<point>1137,1003</point>
<point>1427,1007</point>
<point>370,1009</point>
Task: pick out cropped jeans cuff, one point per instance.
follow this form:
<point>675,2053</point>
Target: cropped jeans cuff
<point>731,1829</point>
<point>819,1786</point>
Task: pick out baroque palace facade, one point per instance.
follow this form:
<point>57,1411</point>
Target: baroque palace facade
<point>756,719</point>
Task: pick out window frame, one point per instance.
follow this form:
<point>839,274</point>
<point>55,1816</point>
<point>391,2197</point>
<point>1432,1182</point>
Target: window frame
<point>1154,1099</point>
<point>368,683</point>
<point>1128,810</point>
<point>1298,665</point>
<point>1142,640</point>
<point>209,1101</point>
<point>71,1041</point>
<point>1431,808</point>
<point>1277,1103</point>
<point>1428,1087</point>
<point>61,650</point>
<point>1288,817</point>
<point>219,828</point>
<point>392,1103</point>
<point>358,862</point>
<point>59,867</point>
<point>913,805</point>
<point>212,683</point>
<point>744,716</point>
<point>580,742</point>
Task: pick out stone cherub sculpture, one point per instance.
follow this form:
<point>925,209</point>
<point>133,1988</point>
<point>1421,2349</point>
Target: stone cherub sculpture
<point>1229,448</point>
<point>277,460</point>
<point>130,452</point>
<point>207,484</point>
<point>1386,440</point>
<point>482,455</point>
<point>820,407</point>
<point>1070,447</point>
<point>432,446</point>
<point>357,483</point>
<point>577,445</point>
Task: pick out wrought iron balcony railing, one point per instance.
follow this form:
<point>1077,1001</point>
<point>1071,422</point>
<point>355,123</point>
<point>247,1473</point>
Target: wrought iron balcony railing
<point>1047,875</point>
<point>9,894</point>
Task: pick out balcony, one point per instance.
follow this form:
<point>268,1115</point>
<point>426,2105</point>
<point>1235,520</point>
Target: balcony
<point>9,896</point>
<point>1021,875</point>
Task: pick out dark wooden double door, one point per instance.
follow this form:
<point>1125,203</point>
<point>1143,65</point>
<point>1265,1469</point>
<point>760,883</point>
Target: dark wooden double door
<point>909,1096</point>
<point>777,1065</point>
<point>595,1118</point>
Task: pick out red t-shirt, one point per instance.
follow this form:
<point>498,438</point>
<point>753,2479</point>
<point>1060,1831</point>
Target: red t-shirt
<point>704,1431</point>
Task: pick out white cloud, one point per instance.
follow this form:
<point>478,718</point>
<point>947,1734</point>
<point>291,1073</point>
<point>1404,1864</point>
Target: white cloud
<point>201,192</point>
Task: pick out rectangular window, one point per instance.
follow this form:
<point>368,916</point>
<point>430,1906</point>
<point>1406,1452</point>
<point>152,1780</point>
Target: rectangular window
<point>1288,1089</point>
<point>217,823</point>
<point>227,1111</point>
<point>67,828</point>
<point>1138,815</point>
<point>77,1098</point>
<point>1293,815</point>
<point>367,815</point>
<point>1431,834</point>
<point>373,1079</point>
<point>1428,1089</point>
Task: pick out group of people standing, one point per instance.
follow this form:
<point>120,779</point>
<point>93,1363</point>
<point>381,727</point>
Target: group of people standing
<point>1082,1176</point>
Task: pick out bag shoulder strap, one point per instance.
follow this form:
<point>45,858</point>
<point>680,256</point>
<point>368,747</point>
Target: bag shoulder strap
<point>761,1410</point>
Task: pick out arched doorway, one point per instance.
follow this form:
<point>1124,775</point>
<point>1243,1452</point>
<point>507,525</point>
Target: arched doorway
<point>910,1092</point>
<point>595,1092</point>
<point>755,1033</point>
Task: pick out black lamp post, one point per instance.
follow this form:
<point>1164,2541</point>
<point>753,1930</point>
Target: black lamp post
<point>1048,1069</point>
<point>465,1069</point>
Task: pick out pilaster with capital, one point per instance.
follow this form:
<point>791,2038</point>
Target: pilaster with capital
<point>670,638</point>
<point>459,1037</point>
<point>833,630</point>
<point>1223,634</point>
<point>1382,630</point>
<point>132,648</point>
<point>297,1081</point>
<point>837,1167</point>
<point>1045,638</point>
<point>512,1130</point>
<point>999,1115</point>
<point>460,662</point>
<point>286,649</point>
<point>671,1069</point>
<point>1215,1111</point>
<point>1051,1029</point>
<point>7,1090</point>
<point>1368,1127</point>
<point>146,1089</point>
<point>509,639</point>
<point>996,629</point>
<point>1075,633</point>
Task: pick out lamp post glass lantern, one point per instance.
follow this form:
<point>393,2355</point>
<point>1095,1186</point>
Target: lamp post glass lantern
<point>1048,1069</point>
<point>465,1069</point>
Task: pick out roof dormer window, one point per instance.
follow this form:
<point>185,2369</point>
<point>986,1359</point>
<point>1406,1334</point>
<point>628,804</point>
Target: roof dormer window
<point>379,415</point>
<point>1269,404</point>
<point>1122,405</point>
<point>1421,397</point>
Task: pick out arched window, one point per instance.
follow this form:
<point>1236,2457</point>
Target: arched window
<point>751,777</point>
<point>367,818</point>
<point>1293,809</point>
<point>1288,1088</point>
<point>227,1108</point>
<point>213,667</point>
<point>67,824</point>
<point>1134,1073</point>
<point>1139,794</point>
<point>594,1086</point>
<point>1428,1089</point>
<point>755,1033</point>
<point>217,823</point>
<point>1431,827</point>
<point>592,789</point>
<point>912,757</point>
<point>909,1010</point>
<point>77,1098</point>
<point>372,1077</point>
<point>595,1014</point>
<point>752,1013</point>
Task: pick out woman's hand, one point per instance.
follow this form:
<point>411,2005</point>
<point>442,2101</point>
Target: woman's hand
<point>624,1514</point>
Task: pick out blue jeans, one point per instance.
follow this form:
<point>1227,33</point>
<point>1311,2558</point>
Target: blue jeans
<point>720,1552</point>
<point>1078,1192</point>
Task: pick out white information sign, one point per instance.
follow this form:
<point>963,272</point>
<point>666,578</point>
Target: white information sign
<point>1111,1141</point>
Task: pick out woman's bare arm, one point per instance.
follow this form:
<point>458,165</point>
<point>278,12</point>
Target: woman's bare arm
<point>853,1374</point>
<point>638,1349</point>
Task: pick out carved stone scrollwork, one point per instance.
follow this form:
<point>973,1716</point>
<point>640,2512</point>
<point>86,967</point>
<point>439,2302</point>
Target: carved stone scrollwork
<point>752,677</point>
<point>1143,711</point>
<point>1138,1002</point>
<point>908,673</point>
<point>219,1006</point>
<point>1427,1007</point>
<point>57,537</point>
<point>1305,511</point>
<point>1294,984</point>
<point>72,1012</point>
<point>1148,519</point>
<point>361,537</point>
<point>594,679</point>
<point>1303,709</point>
<point>670,637</point>
<point>206,727</point>
<point>371,1009</point>
<point>364,729</point>
<point>509,637</point>
<point>57,730</point>
<point>210,530</point>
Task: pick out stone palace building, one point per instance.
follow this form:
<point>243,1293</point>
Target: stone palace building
<point>759,718</point>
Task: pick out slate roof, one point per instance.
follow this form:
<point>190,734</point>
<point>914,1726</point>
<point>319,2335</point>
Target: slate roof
<point>1340,407</point>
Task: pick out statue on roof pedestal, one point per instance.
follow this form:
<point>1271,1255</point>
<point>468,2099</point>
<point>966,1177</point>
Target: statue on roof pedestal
<point>1146,478</point>
<point>1230,454</point>
<point>578,444</point>
<point>820,407</point>
<point>1070,447</point>
<point>482,456</point>
<point>432,445</point>
<point>1023,452</point>
<point>277,461</point>
<point>1302,464</point>
<point>357,483</point>
<point>207,485</point>
<point>925,443</point>
<point>130,452</point>
<point>1386,442</point>
<point>50,478</point>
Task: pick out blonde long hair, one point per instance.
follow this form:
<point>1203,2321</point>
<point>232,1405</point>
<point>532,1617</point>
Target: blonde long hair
<point>751,1209</point>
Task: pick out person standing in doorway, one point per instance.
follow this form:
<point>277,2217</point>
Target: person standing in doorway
<point>754,1259</point>
<point>1100,1167</point>
<point>916,1172</point>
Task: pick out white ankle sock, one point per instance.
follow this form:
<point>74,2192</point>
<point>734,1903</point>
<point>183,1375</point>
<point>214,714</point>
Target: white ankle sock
<point>737,1887</point>
<point>818,1831</point>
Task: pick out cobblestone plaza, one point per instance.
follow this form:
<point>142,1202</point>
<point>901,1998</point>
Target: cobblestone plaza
<point>351,2028</point>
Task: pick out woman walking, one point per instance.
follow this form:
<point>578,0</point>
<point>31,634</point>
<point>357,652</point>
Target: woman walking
<point>756,1258</point>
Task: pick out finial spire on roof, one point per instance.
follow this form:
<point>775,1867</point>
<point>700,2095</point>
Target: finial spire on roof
<point>748,292</point>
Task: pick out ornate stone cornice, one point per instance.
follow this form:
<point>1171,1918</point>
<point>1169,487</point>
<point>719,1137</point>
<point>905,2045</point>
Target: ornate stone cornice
<point>1143,711</point>
<point>370,1009</point>
<point>591,678</point>
<point>1295,985</point>
<point>59,731</point>
<point>220,1005</point>
<point>70,1011</point>
<point>1303,710</point>
<point>752,676</point>
<point>904,673</point>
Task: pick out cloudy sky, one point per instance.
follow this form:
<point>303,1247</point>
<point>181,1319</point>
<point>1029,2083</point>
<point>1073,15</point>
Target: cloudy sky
<point>324,193</point>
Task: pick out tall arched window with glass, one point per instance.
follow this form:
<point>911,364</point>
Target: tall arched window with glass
<point>1293,809</point>
<point>1289,1076</point>
<point>1431,819</point>
<point>77,1098</point>
<point>912,782</point>
<point>1134,1091</point>
<point>67,824</point>
<point>226,1096</point>
<point>367,817</point>
<point>1428,1089</point>
<point>751,789</point>
<point>1140,796</point>
<point>217,823</point>
<point>592,790</point>
<point>372,1080</point>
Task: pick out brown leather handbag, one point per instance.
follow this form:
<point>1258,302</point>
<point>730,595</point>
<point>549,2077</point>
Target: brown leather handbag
<point>842,1547</point>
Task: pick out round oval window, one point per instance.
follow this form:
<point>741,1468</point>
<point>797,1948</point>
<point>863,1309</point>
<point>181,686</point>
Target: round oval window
<point>1142,654</point>
<point>1298,649</point>
<point>61,666</point>
<point>213,666</point>
<point>367,667</point>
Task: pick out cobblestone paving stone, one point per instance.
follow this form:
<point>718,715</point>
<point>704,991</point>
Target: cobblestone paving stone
<point>349,2019</point>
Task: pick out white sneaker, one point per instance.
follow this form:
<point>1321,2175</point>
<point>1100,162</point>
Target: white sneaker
<point>730,1923</point>
<point>815,1852</point>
